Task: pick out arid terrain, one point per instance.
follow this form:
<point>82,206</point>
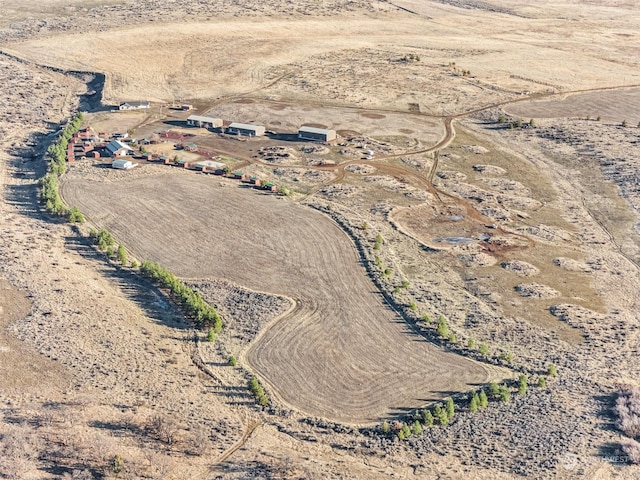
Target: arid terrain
<point>476,220</point>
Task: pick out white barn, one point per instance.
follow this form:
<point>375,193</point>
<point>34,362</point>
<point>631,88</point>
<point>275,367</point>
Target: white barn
<point>316,134</point>
<point>122,164</point>
<point>246,129</point>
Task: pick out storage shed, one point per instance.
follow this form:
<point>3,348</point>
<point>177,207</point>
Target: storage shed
<point>204,122</point>
<point>246,129</point>
<point>316,134</point>
<point>122,164</point>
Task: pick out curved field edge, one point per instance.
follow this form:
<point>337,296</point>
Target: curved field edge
<point>346,356</point>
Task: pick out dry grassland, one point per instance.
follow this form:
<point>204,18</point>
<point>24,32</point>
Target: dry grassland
<point>95,363</point>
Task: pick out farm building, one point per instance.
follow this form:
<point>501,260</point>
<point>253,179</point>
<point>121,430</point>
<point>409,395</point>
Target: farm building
<point>117,149</point>
<point>209,165</point>
<point>133,105</point>
<point>122,164</point>
<point>204,122</point>
<point>316,134</point>
<point>246,129</point>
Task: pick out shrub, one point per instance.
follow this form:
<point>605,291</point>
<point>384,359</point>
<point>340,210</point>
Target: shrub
<point>385,428</point>
<point>258,392</point>
<point>494,389</point>
<point>413,307</point>
<point>405,284</point>
<point>427,417</point>
<point>632,449</point>
<point>552,371</point>
<point>471,343</point>
<point>122,254</point>
<point>507,356</point>
<point>211,335</point>
<point>232,361</point>
<point>117,464</point>
<point>405,432</point>
<point>484,349</point>
<point>426,318</point>
<point>76,216</point>
<point>387,271</point>
<point>522,384</point>
<point>542,381</point>
<point>505,393</point>
<point>483,401</point>
<point>443,329</point>
<point>440,414</point>
<point>134,264</point>
<point>378,243</point>
<point>416,428</point>
<point>450,408</point>
<point>453,338</point>
<point>474,403</point>
<point>627,409</point>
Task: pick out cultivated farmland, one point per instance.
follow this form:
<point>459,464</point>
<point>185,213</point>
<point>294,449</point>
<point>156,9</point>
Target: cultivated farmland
<point>340,329</point>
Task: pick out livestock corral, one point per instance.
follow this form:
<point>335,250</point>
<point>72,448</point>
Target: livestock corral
<point>423,246</point>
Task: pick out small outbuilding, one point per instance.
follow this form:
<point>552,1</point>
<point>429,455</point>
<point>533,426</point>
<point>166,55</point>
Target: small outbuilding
<point>122,164</point>
<point>209,165</point>
<point>316,134</point>
<point>246,129</point>
<point>204,122</point>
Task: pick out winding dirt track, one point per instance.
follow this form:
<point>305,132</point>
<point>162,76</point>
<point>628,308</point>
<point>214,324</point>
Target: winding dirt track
<point>343,354</point>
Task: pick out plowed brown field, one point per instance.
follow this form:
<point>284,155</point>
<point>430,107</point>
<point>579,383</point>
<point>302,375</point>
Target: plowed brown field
<point>342,353</point>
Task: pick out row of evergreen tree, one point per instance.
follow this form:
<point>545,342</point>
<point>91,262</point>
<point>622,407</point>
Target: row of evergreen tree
<point>203,314</point>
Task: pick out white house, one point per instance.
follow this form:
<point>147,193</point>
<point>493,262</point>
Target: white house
<point>133,105</point>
